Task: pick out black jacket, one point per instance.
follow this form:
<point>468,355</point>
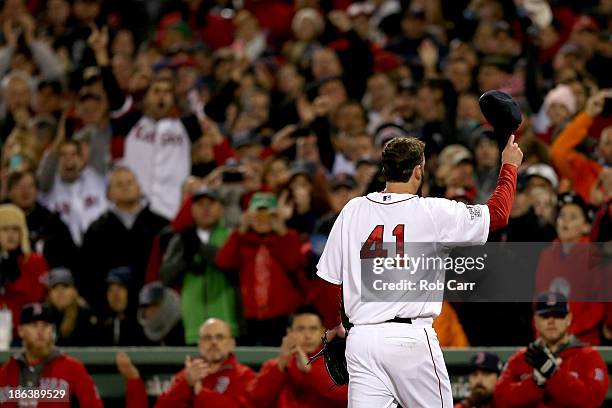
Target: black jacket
<point>48,231</point>
<point>108,244</point>
<point>84,333</point>
<point>115,331</point>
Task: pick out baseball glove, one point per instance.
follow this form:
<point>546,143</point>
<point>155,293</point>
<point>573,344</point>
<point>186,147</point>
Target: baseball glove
<point>334,358</point>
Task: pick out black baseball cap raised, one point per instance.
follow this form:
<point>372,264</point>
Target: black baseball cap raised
<point>501,111</point>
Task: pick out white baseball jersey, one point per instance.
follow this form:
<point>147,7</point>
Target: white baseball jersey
<point>159,153</point>
<point>79,203</point>
<point>389,217</point>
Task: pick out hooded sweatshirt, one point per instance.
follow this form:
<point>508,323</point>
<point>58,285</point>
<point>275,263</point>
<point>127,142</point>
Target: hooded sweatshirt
<point>161,325</point>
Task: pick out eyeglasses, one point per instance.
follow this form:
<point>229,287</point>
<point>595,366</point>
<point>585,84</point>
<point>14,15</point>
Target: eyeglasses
<point>216,337</point>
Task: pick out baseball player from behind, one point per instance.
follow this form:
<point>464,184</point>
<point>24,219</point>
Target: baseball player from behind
<point>393,355</point>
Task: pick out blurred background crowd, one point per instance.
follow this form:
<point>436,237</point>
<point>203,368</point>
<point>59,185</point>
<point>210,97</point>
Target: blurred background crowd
<point>164,162</point>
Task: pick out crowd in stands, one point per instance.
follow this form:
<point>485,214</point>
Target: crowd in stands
<point>167,162</point>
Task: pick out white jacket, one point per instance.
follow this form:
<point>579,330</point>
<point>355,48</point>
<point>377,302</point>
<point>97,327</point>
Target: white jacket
<point>79,203</point>
<point>159,153</point>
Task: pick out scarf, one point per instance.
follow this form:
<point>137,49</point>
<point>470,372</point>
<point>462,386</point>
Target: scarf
<point>157,327</point>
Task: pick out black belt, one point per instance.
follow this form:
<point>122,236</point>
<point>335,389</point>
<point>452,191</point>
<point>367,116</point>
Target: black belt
<point>400,320</point>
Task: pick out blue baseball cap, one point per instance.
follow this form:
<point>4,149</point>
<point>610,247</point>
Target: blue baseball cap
<point>120,275</point>
<point>551,302</point>
<point>60,275</point>
<point>34,312</point>
<point>483,360</point>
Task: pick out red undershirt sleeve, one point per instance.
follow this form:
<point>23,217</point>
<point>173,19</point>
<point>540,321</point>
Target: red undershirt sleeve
<point>333,295</point>
<point>500,202</point>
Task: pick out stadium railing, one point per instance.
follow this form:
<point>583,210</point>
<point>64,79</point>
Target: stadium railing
<point>157,365</point>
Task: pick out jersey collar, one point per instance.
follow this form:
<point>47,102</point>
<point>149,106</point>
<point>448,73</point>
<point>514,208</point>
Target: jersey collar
<point>389,198</point>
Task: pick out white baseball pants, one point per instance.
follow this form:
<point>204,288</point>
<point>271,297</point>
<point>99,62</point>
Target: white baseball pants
<point>393,364</point>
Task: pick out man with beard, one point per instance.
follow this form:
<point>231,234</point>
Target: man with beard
<point>213,380</point>
<point>484,372</point>
<point>556,370</point>
<point>43,366</point>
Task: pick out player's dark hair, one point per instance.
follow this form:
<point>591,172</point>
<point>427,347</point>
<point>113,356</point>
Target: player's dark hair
<point>400,156</point>
<point>305,309</point>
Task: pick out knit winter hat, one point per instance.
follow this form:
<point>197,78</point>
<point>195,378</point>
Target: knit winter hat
<point>561,94</point>
<point>13,216</point>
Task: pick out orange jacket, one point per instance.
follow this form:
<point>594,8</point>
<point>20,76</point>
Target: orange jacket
<point>575,166</point>
<point>449,329</point>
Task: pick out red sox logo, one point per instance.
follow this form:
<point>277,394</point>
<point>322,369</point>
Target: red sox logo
<point>37,309</point>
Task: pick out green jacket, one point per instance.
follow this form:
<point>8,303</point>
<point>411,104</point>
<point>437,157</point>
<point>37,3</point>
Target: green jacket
<point>205,290</point>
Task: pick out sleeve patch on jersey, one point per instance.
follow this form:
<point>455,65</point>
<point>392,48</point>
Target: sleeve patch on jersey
<point>475,211</point>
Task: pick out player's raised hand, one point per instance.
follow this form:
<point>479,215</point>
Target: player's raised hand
<point>512,153</point>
